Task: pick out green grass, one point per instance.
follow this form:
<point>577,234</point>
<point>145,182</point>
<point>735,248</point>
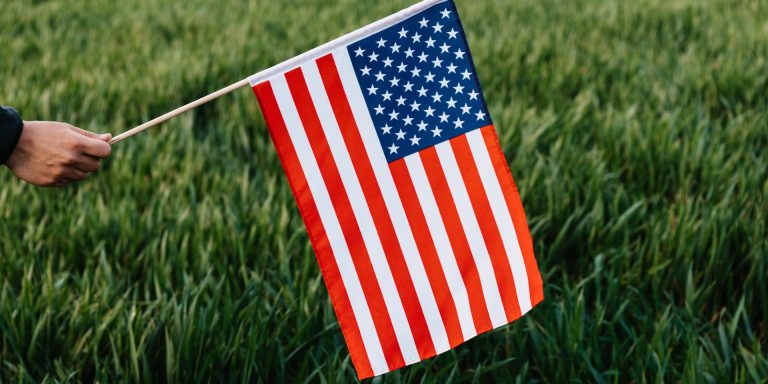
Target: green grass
<point>637,132</point>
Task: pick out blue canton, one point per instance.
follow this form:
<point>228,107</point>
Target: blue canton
<point>419,82</point>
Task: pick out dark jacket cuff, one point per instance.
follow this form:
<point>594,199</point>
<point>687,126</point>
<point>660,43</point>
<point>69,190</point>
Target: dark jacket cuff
<point>10,131</point>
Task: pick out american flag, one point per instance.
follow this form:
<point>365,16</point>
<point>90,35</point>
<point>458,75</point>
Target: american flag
<point>399,177</point>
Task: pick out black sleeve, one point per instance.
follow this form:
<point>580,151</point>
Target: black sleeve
<point>10,131</point>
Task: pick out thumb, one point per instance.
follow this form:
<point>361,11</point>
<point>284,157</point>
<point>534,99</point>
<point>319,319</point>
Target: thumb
<point>92,135</point>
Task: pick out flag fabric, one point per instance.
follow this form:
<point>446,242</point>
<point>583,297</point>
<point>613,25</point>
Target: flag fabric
<point>408,200</point>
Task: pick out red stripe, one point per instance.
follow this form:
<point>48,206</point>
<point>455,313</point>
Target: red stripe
<point>488,227</point>
<point>347,219</point>
<point>516,211</point>
<point>427,251</point>
<point>375,202</point>
<point>317,235</point>
<point>457,237</point>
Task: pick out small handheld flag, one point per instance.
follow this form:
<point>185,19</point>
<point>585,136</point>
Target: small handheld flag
<point>412,211</point>
<point>394,162</point>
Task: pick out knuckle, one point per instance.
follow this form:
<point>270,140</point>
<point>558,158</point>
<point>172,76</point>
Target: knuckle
<point>59,172</point>
<point>73,142</point>
<point>70,159</point>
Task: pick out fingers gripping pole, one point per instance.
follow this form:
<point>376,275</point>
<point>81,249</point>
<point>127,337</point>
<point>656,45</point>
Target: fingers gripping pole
<point>179,111</point>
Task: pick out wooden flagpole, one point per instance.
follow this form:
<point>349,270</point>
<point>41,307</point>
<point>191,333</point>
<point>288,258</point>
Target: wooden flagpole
<point>179,111</point>
<point>265,74</point>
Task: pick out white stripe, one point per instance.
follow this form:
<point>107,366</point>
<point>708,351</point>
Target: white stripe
<point>331,224</point>
<point>501,214</point>
<point>474,235</point>
<point>442,244</point>
<point>391,199</point>
<point>361,211</point>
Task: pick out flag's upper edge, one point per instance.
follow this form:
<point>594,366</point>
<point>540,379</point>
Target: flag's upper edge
<point>342,41</point>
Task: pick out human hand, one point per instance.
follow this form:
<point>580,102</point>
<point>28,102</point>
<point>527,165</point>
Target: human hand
<point>53,154</point>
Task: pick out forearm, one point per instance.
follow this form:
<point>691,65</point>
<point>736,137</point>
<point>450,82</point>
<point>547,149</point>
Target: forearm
<point>10,131</point>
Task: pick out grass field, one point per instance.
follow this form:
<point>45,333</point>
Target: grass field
<point>637,132</point>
